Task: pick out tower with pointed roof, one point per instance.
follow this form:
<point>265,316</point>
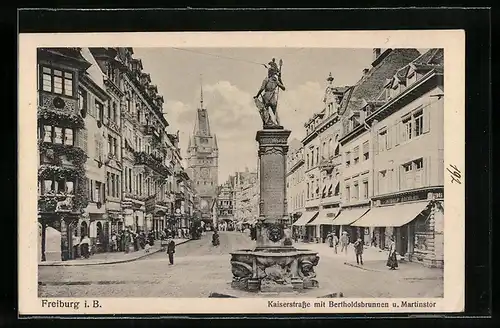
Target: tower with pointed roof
<point>203,160</point>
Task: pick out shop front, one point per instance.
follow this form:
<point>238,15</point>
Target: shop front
<point>323,224</point>
<point>99,233</point>
<point>348,215</point>
<point>414,219</point>
<point>302,231</point>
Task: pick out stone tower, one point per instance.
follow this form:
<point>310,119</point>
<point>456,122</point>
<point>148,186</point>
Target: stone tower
<point>203,160</point>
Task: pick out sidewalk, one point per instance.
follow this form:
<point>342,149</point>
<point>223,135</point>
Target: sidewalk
<point>375,259</point>
<point>111,257</point>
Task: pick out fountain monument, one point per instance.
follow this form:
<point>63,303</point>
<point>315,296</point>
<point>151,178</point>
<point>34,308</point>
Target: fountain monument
<point>275,265</point>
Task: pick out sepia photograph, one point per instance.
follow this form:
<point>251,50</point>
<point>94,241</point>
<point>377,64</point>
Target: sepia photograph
<point>281,173</point>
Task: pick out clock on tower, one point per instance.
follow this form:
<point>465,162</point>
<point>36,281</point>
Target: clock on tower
<point>205,173</point>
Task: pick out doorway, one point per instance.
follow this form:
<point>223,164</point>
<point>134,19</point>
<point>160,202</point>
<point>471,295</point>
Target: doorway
<point>84,229</point>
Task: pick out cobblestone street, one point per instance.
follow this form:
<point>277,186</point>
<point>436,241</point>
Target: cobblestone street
<point>201,269</point>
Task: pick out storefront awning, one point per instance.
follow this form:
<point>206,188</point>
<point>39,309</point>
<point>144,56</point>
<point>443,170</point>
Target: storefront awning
<point>391,216</point>
<point>348,216</point>
<point>324,218</point>
<point>305,218</point>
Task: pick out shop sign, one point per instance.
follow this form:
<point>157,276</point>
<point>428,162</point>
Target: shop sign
<point>403,199</point>
<point>150,204</point>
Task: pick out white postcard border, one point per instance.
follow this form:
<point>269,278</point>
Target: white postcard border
<point>453,42</point>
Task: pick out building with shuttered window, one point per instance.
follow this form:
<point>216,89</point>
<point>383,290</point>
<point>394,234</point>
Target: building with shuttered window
<point>408,133</point>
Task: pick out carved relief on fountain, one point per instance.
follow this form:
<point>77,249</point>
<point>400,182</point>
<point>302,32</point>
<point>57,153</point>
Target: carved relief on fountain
<point>274,271</point>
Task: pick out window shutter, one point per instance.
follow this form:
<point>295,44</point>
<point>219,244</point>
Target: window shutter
<point>389,136</point>
<point>427,121</point>
<point>396,133</point>
<point>400,178</point>
<point>427,170</point>
<point>375,143</point>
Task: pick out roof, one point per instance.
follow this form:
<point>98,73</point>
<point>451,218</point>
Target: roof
<point>372,83</point>
<point>433,56</point>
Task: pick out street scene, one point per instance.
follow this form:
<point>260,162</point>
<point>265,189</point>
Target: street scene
<point>201,269</point>
<point>227,172</point>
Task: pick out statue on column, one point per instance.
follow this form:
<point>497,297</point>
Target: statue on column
<point>267,96</point>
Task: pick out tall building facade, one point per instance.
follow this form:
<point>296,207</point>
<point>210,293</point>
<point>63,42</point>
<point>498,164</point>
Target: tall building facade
<point>225,202</point>
<point>380,160</point>
<point>294,180</point>
<point>62,183</point>
<point>321,165</point>
<point>106,161</point>
<point>203,162</point>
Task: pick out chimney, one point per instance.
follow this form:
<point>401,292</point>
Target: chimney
<point>376,53</point>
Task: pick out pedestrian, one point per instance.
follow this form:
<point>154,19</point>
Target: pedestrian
<point>84,245</point>
<point>392,261</point>
<point>114,245</point>
<point>76,243</point>
<point>330,239</point>
<point>335,241</point>
<point>170,250</point>
<point>344,242</point>
<point>358,248</point>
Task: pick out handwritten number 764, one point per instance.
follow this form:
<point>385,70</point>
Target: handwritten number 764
<point>455,174</point>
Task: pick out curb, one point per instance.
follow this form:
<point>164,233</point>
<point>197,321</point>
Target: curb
<point>111,261</point>
<point>361,267</point>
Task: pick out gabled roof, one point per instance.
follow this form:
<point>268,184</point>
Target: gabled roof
<point>372,83</point>
<point>431,57</point>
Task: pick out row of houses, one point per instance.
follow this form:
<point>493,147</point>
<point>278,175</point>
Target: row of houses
<point>106,160</point>
<point>371,163</point>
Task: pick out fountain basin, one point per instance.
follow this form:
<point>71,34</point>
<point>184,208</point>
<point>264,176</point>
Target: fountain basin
<point>274,269</point>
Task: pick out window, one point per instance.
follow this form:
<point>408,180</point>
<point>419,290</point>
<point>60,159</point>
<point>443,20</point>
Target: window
<point>115,112</point>
<point>347,193</point>
<point>382,140</point>
<point>408,177</point>
<point>53,186</point>
<point>108,182</point>
<point>57,81</point>
<point>308,191</point>
<point>356,155</point>
<point>347,159</point>
<point>366,151</point>
<point>419,165</point>
<point>97,192</point>
<point>99,111</point>
<point>82,99</point>
<point>356,191</point>
<point>110,144</point>
<point>58,135</point>
<point>418,118</point>
<point>365,189</point>
<point>407,129</point>
<point>317,155</point>
<point>330,148</point>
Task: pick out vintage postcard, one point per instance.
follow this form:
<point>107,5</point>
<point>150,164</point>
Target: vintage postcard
<point>241,172</point>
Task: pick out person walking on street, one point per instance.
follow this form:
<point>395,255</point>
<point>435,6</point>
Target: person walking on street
<point>344,242</point>
<point>170,250</point>
<point>392,261</point>
<point>330,239</point>
<point>358,248</point>
<point>335,241</point>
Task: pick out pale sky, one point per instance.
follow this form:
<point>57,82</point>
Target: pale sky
<point>231,78</point>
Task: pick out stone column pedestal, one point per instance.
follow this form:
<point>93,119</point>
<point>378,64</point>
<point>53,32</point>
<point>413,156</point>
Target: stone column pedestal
<point>273,147</point>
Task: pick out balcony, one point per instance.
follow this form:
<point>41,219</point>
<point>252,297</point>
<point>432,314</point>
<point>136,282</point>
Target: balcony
<point>143,158</point>
<point>150,130</point>
<point>330,163</point>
